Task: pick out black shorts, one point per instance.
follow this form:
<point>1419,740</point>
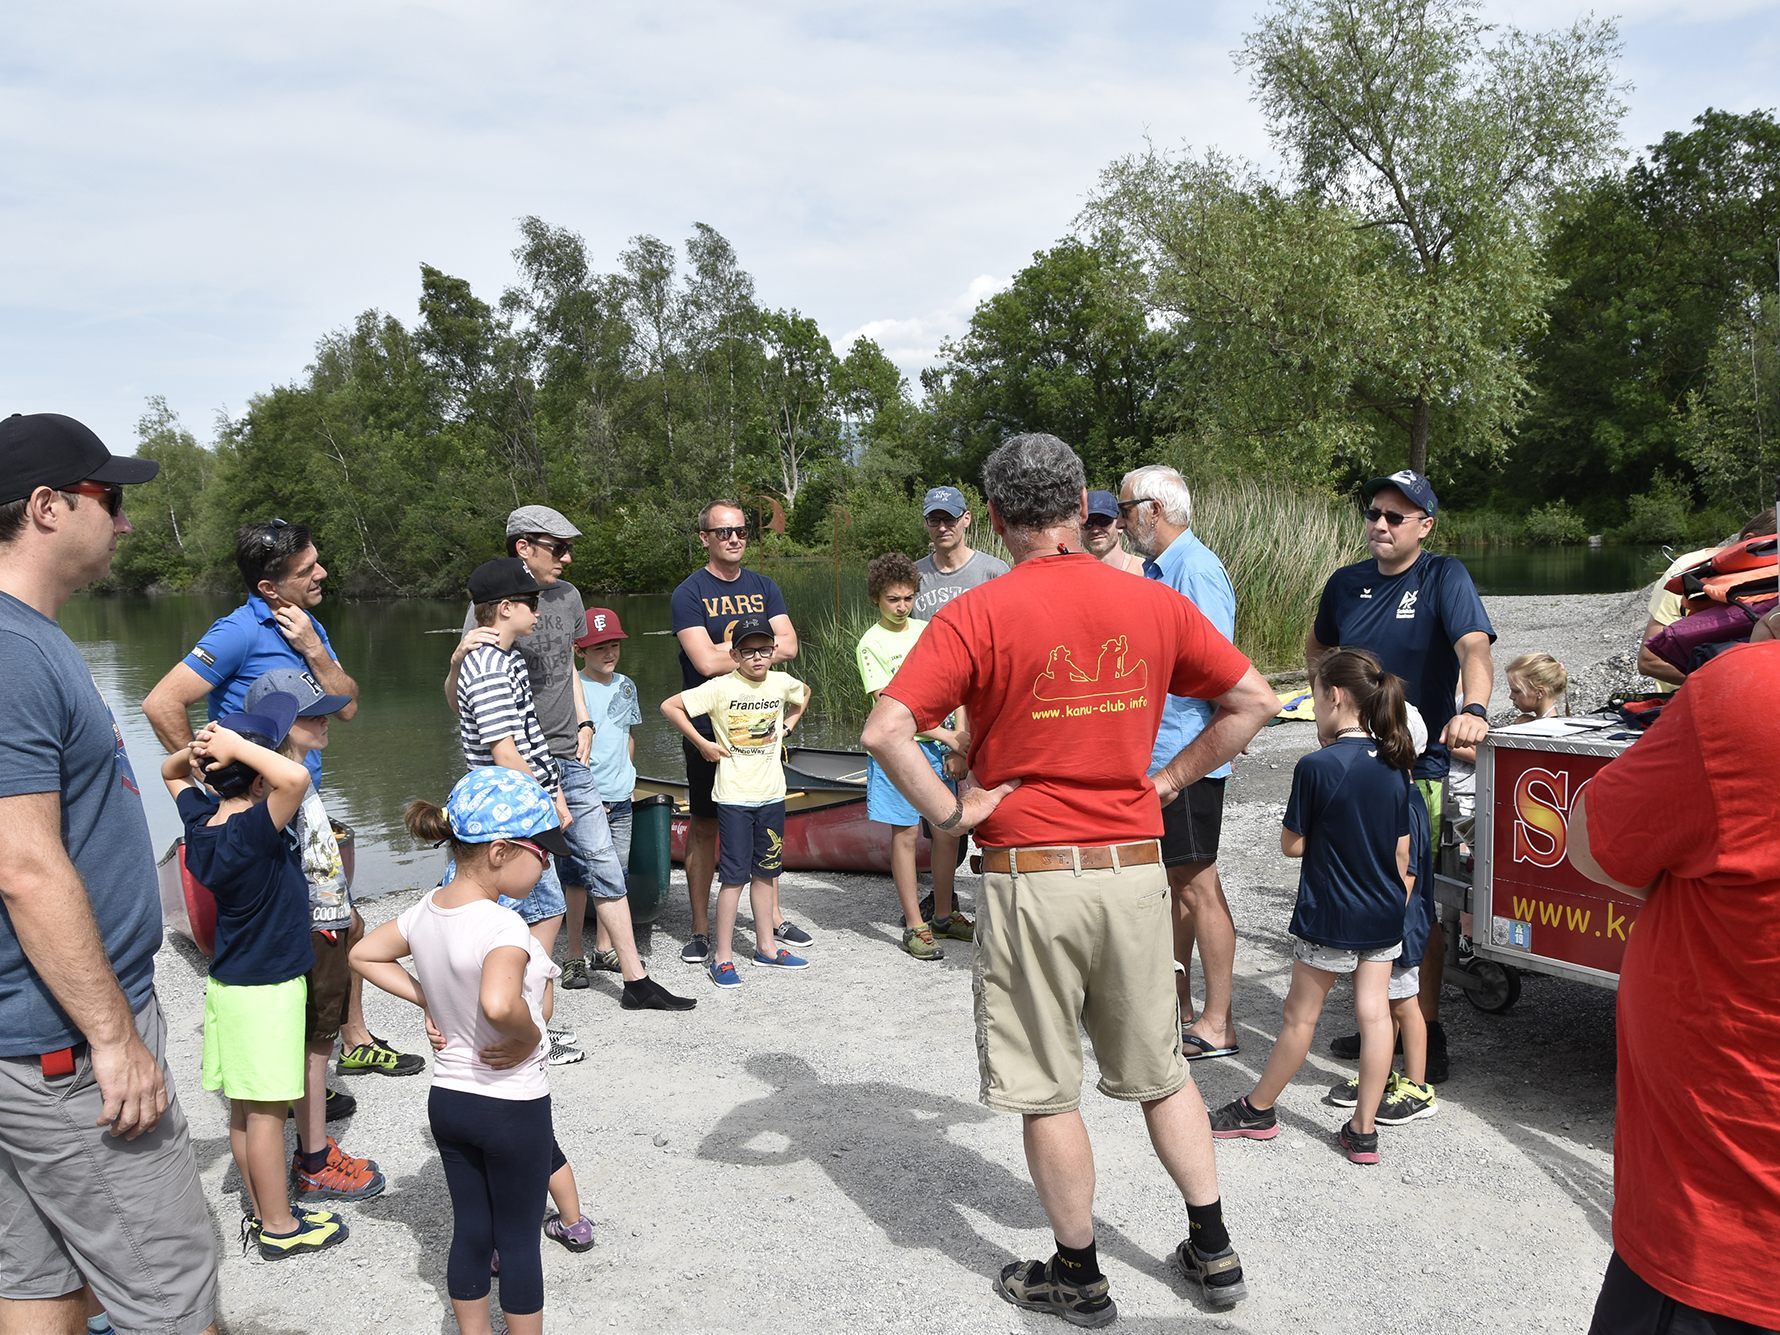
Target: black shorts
<point>750,843</point>
<point>701,774</point>
<point>1191,823</point>
<point>1629,1306</point>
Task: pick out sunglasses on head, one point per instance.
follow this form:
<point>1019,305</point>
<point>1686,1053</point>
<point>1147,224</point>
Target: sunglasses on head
<point>1393,518</point>
<point>557,547</point>
<point>725,534</point>
<point>109,492</point>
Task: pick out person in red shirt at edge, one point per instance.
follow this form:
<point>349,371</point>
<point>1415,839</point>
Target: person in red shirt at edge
<point>1685,821</point>
<point>1063,665</point>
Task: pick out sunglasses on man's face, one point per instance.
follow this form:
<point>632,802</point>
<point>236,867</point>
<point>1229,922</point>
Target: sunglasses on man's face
<point>1097,521</point>
<point>109,492</point>
<point>555,546</point>
<point>1391,517</point>
<point>725,534</point>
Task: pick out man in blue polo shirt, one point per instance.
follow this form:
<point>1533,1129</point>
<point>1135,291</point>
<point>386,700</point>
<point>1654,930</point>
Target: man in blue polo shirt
<point>1157,510</point>
<point>1420,614</point>
<point>274,628</point>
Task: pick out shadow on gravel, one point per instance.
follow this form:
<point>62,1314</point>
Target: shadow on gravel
<point>865,1135</point>
<point>421,1203</point>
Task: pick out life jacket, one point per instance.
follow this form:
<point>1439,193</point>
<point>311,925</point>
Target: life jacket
<point>1679,643</point>
<point>1736,572</point>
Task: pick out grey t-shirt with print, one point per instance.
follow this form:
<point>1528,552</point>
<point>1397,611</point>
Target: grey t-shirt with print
<point>939,587</point>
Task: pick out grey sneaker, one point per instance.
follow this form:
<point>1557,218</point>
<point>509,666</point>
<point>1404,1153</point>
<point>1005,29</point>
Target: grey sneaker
<point>606,961</point>
<point>564,1051</point>
<point>697,950</point>
<point>574,973</point>
<point>792,935</point>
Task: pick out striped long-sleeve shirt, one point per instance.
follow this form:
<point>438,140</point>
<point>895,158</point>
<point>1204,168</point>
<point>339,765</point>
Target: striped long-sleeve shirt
<point>494,700</point>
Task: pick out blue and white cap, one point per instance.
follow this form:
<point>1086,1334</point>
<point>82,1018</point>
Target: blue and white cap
<point>1416,488</point>
<point>944,500</point>
<point>493,802</point>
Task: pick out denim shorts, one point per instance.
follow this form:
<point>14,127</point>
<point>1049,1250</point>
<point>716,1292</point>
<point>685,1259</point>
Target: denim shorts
<point>618,820</point>
<point>750,843</point>
<point>596,864</point>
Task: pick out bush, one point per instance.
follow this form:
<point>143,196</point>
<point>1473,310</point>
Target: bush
<point>1662,515</point>
<point>1458,530</point>
<point>1555,525</point>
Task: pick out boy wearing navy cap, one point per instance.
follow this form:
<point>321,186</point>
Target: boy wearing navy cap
<point>752,711</point>
<point>321,1169</point>
<point>235,843</point>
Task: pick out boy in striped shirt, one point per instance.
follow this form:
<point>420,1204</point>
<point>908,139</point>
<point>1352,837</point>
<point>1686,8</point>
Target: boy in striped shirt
<point>497,724</point>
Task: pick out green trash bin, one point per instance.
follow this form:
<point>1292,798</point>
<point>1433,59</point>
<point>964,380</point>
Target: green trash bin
<point>651,859</point>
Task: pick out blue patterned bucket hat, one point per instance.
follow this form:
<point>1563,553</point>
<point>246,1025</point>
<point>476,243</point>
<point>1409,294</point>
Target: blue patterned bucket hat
<point>493,802</point>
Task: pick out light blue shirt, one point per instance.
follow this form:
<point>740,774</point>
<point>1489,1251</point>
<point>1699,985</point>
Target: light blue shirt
<point>1192,570</point>
<point>614,709</point>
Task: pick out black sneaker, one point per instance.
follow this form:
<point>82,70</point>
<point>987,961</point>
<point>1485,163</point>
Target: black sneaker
<point>648,995</point>
<point>1238,1119</point>
<point>1031,1284</point>
<point>789,933</point>
<point>696,950</point>
<point>1357,1147</point>
<point>1347,1047</point>
<point>1218,1278</point>
<point>340,1106</point>
<point>1437,1066</point>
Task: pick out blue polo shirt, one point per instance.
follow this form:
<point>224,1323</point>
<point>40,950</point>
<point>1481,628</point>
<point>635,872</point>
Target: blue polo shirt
<point>1351,807</point>
<point>238,650</point>
<point>1411,622</point>
<point>1192,570</point>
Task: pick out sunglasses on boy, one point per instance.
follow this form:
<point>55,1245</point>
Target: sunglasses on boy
<point>1393,518</point>
<point>109,492</point>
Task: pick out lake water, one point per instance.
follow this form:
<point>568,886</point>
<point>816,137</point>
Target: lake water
<point>403,742</point>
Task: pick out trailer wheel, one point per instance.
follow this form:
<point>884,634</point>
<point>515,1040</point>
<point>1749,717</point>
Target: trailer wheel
<point>1492,988</point>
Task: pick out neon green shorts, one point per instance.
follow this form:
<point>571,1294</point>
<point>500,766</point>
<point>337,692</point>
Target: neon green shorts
<point>1433,793</point>
<point>253,1040</point>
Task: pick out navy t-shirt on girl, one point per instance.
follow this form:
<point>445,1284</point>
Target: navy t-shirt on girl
<point>262,897</point>
<point>1352,808</point>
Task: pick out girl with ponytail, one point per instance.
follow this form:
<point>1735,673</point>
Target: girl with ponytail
<point>1349,820</point>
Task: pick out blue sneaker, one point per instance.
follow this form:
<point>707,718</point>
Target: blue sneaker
<point>724,974</point>
<point>783,960</point>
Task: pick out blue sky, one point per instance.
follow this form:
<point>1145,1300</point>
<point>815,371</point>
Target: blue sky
<point>192,194</point>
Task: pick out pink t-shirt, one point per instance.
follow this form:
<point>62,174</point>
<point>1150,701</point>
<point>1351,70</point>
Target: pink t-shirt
<point>448,946</point>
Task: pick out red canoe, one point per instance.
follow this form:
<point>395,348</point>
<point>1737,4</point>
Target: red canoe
<point>824,830</point>
<point>189,909</point>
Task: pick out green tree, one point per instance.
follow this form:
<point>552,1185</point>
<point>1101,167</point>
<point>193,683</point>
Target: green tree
<point>1438,138</point>
<point>164,551</point>
<point>796,377</point>
<point>1731,434</point>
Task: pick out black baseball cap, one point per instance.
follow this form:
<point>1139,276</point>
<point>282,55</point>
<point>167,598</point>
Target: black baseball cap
<point>50,450</point>
<point>750,628</point>
<point>505,577</point>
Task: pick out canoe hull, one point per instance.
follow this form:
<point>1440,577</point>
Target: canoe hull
<point>824,831</point>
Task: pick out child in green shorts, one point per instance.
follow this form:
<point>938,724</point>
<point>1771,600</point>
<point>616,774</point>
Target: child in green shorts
<point>254,999</point>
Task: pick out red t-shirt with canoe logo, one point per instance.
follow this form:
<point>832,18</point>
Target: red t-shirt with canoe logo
<point>1064,665</point>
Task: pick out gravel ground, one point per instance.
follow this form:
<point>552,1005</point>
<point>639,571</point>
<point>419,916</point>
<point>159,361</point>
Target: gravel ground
<point>810,1154</point>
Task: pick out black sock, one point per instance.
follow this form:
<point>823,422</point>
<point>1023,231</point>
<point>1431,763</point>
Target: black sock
<point>1078,1265</point>
<point>1205,1225</point>
<point>645,985</point>
<point>313,1163</point>
<point>1254,1111</point>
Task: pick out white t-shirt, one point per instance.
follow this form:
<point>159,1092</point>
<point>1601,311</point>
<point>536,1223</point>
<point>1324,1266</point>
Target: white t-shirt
<point>448,946</point>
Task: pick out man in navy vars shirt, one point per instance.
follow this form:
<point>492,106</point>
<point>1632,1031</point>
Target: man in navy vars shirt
<point>1420,614</point>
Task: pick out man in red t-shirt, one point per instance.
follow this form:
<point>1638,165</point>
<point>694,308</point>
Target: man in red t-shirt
<point>1696,1147</point>
<point>1063,665</point>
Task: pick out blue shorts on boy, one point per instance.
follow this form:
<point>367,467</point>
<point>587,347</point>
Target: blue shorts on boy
<point>620,817</point>
<point>750,842</point>
<point>884,800</point>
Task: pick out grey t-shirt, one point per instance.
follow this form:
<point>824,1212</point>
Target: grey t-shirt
<point>549,657</point>
<point>939,588</point>
<point>58,736</point>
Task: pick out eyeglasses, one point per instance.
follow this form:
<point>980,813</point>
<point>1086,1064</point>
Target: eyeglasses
<point>725,534</point>
<point>1125,506</point>
<point>555,546</point>
<point>535,850</point>
<point>1391,517</point>
<point>757,651</point>
<point>109,492</point>
<point>1097,521</point>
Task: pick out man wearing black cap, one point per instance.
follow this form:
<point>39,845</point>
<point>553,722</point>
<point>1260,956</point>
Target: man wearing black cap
<point>1420,613</point>
<point>952,567</point>
<point>88,1117</point>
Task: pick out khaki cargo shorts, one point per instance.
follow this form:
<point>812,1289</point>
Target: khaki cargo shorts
<point>1060,951</point>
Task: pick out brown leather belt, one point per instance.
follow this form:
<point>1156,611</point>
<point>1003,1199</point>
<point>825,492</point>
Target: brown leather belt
<point>1099,857</point>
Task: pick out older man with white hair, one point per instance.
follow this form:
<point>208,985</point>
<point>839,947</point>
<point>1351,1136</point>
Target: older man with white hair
<point>1157,509</point>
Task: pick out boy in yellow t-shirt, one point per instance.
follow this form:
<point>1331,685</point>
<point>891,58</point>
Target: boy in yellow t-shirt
<point>752,710</point>
<point>892,581</point>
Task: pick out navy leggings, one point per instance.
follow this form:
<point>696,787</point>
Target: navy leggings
<point>499,1155</point>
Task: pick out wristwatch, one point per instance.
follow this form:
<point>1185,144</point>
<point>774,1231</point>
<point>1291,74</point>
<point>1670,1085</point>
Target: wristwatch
<point>1479,711</point>
<point>584,723</point>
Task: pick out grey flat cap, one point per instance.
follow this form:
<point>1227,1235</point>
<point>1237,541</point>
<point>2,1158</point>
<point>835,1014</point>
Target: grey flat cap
<point>540,519</point>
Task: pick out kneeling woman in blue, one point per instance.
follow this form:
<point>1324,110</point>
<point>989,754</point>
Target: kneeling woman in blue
<point>1348,819</point>
<point>484,981</point>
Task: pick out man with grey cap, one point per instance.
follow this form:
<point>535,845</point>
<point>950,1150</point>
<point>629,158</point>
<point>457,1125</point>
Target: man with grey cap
<point>97,1178</point>
<point>952,566</point>
<point>544,539</point>
<point>1103,530</point>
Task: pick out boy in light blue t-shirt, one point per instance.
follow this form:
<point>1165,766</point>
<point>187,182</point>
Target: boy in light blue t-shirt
<point>614,709</point>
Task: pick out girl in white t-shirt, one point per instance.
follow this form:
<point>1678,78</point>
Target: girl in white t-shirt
<point>484,983</point>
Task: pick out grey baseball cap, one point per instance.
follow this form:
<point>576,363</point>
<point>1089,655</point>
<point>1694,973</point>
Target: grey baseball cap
<point>540,519</point>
